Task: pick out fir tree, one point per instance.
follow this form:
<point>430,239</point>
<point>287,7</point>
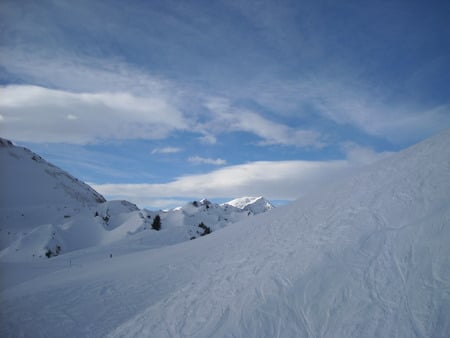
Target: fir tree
<point>156,225</point>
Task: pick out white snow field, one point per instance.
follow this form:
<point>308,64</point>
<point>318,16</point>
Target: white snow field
<point>368,256</point>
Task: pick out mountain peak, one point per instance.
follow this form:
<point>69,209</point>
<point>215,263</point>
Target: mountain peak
<point>254,204</point>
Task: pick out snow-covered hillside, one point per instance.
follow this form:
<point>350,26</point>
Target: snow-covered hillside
<point>28,180</point>
<point>45,210</point>
<point>215,216</point>
<point>368,256</point>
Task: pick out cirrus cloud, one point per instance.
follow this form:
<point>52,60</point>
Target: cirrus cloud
<point>203,160</point>
<point>230,118</point>
<point>166,150</point>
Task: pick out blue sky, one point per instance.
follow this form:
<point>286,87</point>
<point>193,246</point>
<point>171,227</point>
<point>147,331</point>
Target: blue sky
<point>160,102</point>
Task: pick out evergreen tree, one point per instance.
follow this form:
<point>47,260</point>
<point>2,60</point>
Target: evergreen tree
<point>156,225</point>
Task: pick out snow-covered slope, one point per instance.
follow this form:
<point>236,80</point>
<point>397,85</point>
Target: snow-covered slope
<point>368,256</point>
<point>28,180</point>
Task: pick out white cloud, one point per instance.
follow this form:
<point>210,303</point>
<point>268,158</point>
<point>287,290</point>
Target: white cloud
<point>274,133</point>
<point>114,100</point>
<point>359,155</point>
<point>208,139</point>
<point>38,114</point>
<point>370,110</point>
<point>54,69</point>
<point>203,160</point>
<point>124,95</point>
<point>348,101</point>
<point>163,203</point>
<point>166,150</point>
<point>276,180</point>
<point>333,91</point>
<point>227,118</point>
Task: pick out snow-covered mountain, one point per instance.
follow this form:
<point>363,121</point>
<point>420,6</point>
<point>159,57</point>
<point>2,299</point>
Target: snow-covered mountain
<point>367,256</point>
<point>255,205</point>
<point>27,180</point>
<point>46,211</point>
<point>212,215</point>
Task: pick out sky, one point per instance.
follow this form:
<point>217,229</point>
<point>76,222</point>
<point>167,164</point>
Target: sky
<point>161,102</point>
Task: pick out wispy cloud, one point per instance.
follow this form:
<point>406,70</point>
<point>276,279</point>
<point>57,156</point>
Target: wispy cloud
<point>229,118</point>
<point>285,180</point>
<point>166,150</point>
<point>348,101</point>
<point>358,155</point>
<point>72,117</point>
<point>112,88</point>
<point>207,138</point>
<point>110,99</point>
<point>276,180</point>
<point>203,160</point>
<point>81,74</point>
<point>371,111</point>
<point>162,203</point>
<point>289,60</point>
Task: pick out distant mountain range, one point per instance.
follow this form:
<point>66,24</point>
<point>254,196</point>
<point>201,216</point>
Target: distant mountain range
<point>47,211</point>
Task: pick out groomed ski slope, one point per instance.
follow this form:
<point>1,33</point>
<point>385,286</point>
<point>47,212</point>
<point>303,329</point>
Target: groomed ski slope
<point>368,256</point>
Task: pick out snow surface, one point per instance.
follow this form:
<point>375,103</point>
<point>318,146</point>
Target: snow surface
<point>368,256</point>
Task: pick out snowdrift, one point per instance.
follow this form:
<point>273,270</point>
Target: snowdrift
<point>368,256</point>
